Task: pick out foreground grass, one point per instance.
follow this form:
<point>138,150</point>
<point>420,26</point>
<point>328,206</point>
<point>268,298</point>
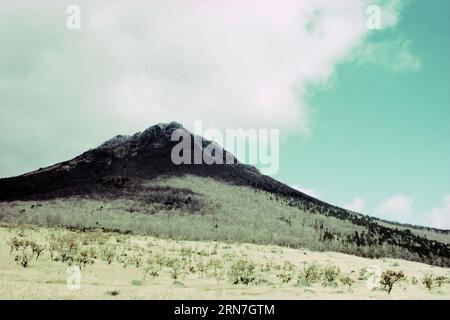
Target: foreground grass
<point>122,266</point>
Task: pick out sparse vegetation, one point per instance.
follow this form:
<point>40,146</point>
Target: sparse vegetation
<point>428,281</point>
<point>23,258</point>
<point>287,272</point>
<point>242,271</point>
<point>151,268</point>
<point>330,275</point>
<point>168,262</point>
<point>346,280</point>
<point>177,208</point>
<point>440,280</point>
<point>310,274</point>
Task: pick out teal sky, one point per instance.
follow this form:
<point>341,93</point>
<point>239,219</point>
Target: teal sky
<point>364,114</point>
<point>378,133</point>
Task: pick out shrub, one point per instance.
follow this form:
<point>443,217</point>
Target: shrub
<point>23,258</point>
<point>85,256</point>
<point>15,244</point>
<point>136,282</point>
<point>428,281</point>
<point>330,275</point>
<point>440,280</point>
<point>108,254</point>
<point>362,274</point>
<point>112,293</point>
<point>37,249</point>
<point>201,268</point>
<point>242,271</point>
<point>216,267</point>
<point>175,272</point>
<point>151,268</point>
<point>346,281</point>
<point>287,272</point>
<point>389,278</point>
<point>134,261</point>
<point>310,274</point>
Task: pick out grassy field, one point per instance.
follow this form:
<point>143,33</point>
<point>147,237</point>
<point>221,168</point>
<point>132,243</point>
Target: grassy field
<point>119,266</point>
<point>204,209</point>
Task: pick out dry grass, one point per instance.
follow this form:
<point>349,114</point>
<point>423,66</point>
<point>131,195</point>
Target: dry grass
<point>143,267</point>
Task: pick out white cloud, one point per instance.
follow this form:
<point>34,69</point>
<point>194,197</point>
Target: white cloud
<point>229,64</point>
<point>310,192</point>
<point>390,12</point>
<point>397,208</point>
<point>357,205</point>
<point>439,217</point>
<point>395,55</point>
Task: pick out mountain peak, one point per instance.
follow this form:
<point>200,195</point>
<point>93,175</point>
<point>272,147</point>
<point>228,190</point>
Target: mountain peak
<point>157,133</point>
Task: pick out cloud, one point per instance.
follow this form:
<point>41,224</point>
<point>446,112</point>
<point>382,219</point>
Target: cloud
<point>230,64</point>
<point>439,217</point>
<point>397,208</point>
<point>390,12</point>
<point>357,205</point>
<point>395,55</point>
<point>310,192</point>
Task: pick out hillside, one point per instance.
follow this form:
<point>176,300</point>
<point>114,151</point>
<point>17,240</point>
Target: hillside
<point>130,185</point>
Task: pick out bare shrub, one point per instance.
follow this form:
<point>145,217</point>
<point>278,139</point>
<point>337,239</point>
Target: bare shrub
<point>37,249</point>
<point>389,278</point>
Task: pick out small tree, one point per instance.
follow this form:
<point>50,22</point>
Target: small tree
<point>37,249</point>
<point>389,277</point>
<point>16,244</point>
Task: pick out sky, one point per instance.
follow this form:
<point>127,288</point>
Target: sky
<point>363,113</point>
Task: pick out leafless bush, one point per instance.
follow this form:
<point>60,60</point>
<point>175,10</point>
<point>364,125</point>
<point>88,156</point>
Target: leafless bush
<point>389,278</point>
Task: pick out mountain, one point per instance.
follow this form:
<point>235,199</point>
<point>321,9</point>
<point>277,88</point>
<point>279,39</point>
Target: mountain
<point>130,184</point>
<point>122,163</point>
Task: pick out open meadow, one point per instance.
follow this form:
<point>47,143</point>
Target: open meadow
<point>34,262</point>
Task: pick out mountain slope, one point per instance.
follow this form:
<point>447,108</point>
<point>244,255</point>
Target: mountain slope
<point>130,184</point>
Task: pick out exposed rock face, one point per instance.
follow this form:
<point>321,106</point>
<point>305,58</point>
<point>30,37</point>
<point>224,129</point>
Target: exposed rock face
<point>114,142</point>
<point>159,134</point>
